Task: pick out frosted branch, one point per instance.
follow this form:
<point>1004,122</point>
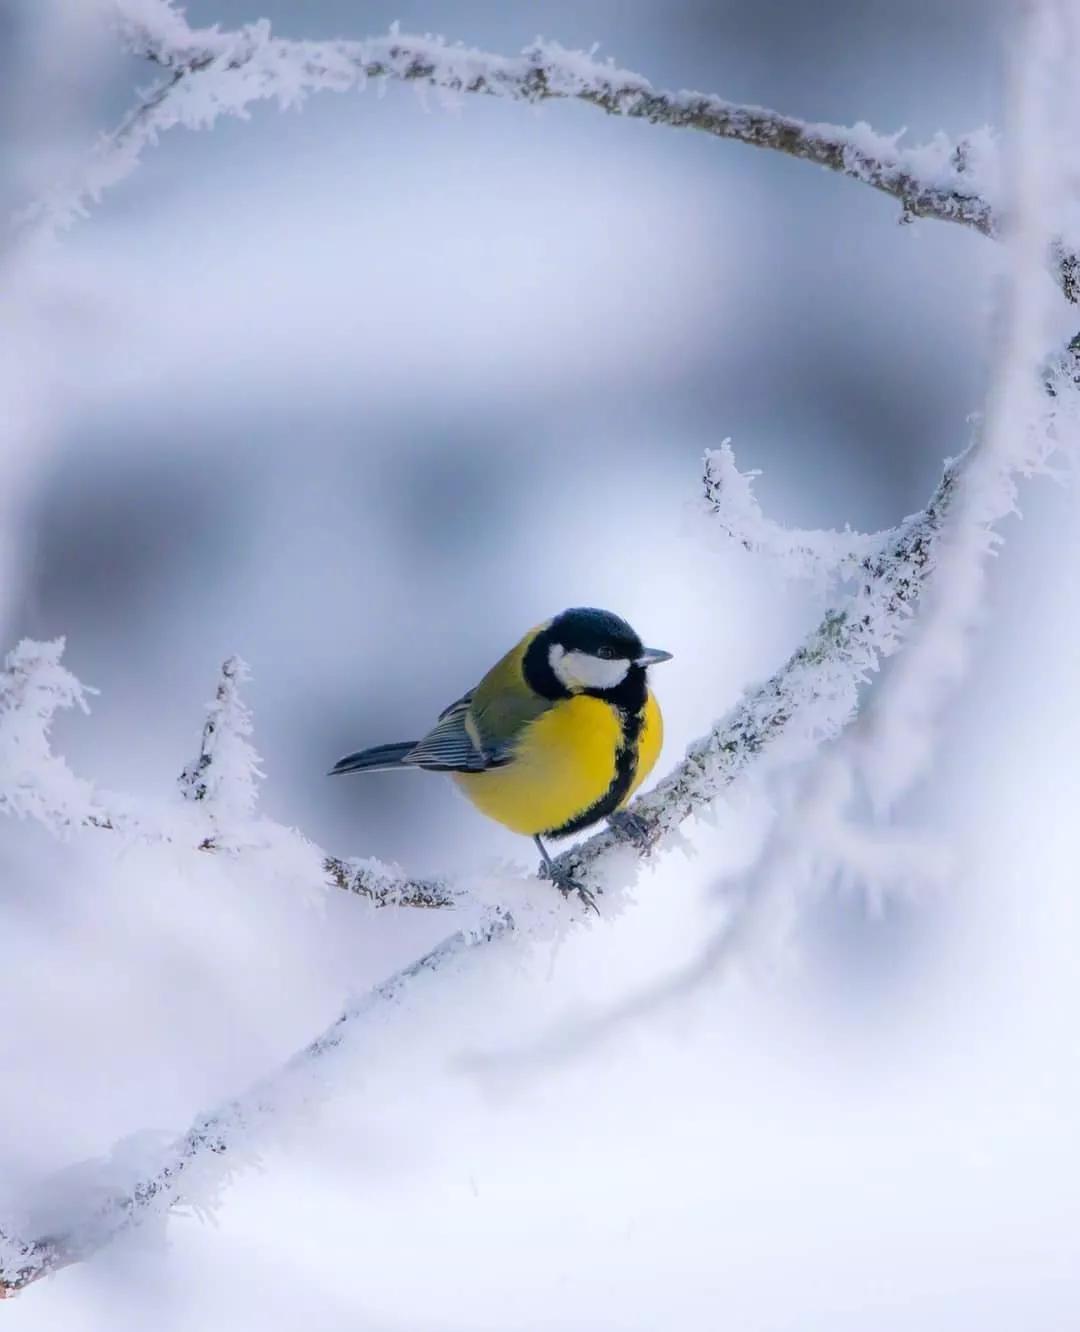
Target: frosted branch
<point>37,784</point>
<point>224,73</point>
<point>196,1167</point>
<point>1019,435</point>
<point>786,718</point>
<point>811,696</point>
<point>809,700</point>
<point>209,73</point>
<point>735,515</point>
<point>34,782</point>
<point>816,692</point>
<point>386,886</point>
<point>225,773</point>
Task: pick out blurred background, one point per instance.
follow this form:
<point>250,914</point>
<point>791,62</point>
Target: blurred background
<point>360,393</point>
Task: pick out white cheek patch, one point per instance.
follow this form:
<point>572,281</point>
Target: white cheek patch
<point>581,670</point>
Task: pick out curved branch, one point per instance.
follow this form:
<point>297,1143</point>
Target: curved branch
<point>939,180</point>
<point>211,73</point>
<point>810,698</point>
<point>827,669</point>
<point>735,515</point>
<point>215,1142</point>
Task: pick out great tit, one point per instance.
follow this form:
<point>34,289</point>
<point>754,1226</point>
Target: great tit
<point>559,734</point>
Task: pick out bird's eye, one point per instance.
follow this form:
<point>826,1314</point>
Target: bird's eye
<point>605,653</point>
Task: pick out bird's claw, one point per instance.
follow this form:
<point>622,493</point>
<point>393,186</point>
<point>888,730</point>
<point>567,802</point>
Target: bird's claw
<point>633,828</point>
<point>564,880</point>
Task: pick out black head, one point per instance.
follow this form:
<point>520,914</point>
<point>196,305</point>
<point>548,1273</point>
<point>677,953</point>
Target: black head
<point>588,651</point>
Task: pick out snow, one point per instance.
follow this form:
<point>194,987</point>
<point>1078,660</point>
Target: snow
<point>38,784</point>
<point>226,773</point>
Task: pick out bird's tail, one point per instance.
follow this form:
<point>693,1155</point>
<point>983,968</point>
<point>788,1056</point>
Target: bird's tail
<point>374,760</point>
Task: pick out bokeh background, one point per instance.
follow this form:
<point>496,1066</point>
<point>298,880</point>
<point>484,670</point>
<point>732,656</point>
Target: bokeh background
<point>362,392</point>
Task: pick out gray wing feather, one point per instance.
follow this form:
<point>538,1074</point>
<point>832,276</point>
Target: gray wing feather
<point>448,747</point>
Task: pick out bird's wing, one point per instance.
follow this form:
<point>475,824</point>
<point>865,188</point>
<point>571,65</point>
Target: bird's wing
<point>449,746</point>
<point>482,729</point>
<point>503,705</point>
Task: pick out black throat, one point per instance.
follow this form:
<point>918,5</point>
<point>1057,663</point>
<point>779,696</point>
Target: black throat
<point>628,695</point>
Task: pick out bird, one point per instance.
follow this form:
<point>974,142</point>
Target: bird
<point>557,736</point>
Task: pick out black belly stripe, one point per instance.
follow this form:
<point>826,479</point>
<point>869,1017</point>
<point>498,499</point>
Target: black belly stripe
<point>626,761</point>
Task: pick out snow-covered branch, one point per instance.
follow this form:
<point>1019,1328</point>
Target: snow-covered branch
<point>389,886</point>
<point>1018,436</point>
<point>940,180</point>
<point>225,72</point>
<point>808,700</point>
<point>220,1142</point>
<point>225,773</point>
<point>35,783</point>
<point>810,697</point>
<point>733,514</point>
<point>813,696</point>
<point>209,73</point>
<point>223,779</point>
<point>787,717</point>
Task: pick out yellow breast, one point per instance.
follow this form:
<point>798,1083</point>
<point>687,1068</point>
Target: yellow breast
<point>564,764</point>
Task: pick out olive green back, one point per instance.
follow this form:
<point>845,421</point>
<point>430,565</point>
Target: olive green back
<point>503,704</point>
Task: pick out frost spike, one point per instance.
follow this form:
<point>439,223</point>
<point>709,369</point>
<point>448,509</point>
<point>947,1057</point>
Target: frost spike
<point>225,773</point>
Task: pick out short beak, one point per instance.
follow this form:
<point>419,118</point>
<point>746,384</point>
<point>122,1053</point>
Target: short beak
<point>651,657</point>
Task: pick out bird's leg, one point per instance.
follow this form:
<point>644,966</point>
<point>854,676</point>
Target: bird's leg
<point>563,879</point>
<point>630,827</point>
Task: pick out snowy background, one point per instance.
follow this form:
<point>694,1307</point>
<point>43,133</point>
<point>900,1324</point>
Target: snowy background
<point>361,393</point>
